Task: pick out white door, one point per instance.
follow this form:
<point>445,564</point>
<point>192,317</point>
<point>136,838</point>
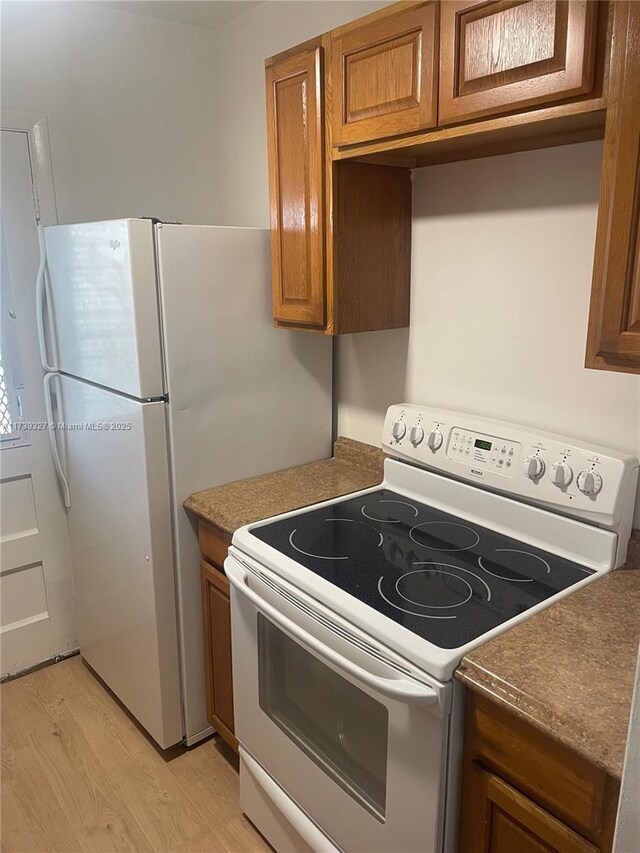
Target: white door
<point>36,614</point>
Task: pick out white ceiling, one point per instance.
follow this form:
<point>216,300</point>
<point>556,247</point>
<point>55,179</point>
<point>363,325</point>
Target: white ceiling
<point>199,13</point>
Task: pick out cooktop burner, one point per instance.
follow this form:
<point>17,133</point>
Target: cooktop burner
<point>447,580</point>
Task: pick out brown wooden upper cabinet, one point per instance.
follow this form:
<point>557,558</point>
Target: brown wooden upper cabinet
<point>613,341</point>
<point>352,112</point>
<point>295,95</point>
<point>340,232</point>
<point>384,75</point>
<point>505,55</point>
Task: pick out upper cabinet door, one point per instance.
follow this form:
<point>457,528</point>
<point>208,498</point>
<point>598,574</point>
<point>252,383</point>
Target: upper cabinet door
<point>613,341</point>
<point>383,76</point>
<point>296,187</point>
<point>503,55</point>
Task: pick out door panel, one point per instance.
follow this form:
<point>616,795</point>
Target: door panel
<point>339,727</point>
<point>384,76</point>
<point>614,323</point>
<point>504,55</point>
<point>511,821</point>
<point>121,542</point>
<point>216,611</point>
<point>296,187</point>
<point>37,620</point>
<point>105,304</point>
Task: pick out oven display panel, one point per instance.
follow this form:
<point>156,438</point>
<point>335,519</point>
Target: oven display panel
<point>499,455</point>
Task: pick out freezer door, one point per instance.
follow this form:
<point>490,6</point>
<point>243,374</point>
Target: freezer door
<point>244,398</point>
<point>102,284</point>
<point>121,544</point>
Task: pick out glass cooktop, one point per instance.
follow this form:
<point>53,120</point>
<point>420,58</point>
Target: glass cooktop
<point>443,578</point>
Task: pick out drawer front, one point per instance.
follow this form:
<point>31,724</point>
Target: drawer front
<point>505,55</point>
<point>213,543</point>
<point>383,76</point>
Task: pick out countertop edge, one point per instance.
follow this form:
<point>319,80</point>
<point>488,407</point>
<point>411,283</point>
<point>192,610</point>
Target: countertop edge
<point>517,695</point>
<point>539,717</point>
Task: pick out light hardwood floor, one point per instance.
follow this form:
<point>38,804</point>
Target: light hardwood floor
<point>79,776</point>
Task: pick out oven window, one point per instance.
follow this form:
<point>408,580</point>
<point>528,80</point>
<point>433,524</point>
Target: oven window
<point>338,726</point>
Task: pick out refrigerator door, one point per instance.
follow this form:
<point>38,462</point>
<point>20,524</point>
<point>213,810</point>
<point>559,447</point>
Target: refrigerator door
<point>102,284</point>
<point>120,525</point>
<point>244,398</point>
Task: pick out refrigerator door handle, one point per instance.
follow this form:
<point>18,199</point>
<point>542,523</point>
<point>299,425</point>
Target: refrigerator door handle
<point>41,295</point>
<point>57,461</point>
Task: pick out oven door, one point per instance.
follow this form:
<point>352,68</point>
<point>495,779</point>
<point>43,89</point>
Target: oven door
<point>357,742</point>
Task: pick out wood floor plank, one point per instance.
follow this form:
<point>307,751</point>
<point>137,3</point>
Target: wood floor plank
<point>141,774</point>
<point>79,776</point>
<point>92,803</point>
<point>32,819</point>
<point>211,782</point>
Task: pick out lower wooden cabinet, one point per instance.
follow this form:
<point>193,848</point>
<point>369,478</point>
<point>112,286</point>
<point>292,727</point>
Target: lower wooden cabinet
<point>216,625</point>
<point>524,793</point>
<point>513,822</point>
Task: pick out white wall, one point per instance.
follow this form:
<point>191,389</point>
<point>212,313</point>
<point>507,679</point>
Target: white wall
<point>242,45</point>
<point>501,269</point>
<point>501,276</point>
<point>129,101</point>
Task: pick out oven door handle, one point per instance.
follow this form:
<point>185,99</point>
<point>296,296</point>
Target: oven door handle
<point>401,689</point>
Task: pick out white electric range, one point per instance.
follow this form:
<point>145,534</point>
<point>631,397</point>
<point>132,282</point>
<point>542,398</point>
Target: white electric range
<point>349,618</point>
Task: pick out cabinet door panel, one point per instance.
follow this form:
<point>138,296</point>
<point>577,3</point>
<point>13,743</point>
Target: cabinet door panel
<point>383,76</point>
<point>296,187</point>
<point>216,612</point>
<point>614,323</point>
<point>505,820</point>
<point>504,55</point>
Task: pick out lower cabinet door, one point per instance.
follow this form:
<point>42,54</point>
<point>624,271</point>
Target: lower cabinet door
<point>504,820</point>
<point>217,651</point>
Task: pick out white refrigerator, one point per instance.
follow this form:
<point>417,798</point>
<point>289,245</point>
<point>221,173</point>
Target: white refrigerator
<point>167,377</point>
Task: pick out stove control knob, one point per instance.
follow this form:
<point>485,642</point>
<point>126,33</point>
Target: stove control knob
<point>398,430</point>
<point>416,434</point>
<point>561,474</point>
<point>435,439</point>
<point>534,467</point>
<point>589,482</point>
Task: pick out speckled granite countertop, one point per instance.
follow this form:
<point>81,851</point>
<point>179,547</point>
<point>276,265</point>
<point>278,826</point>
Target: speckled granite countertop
<point>354,466</point>
<point>569,670</point>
